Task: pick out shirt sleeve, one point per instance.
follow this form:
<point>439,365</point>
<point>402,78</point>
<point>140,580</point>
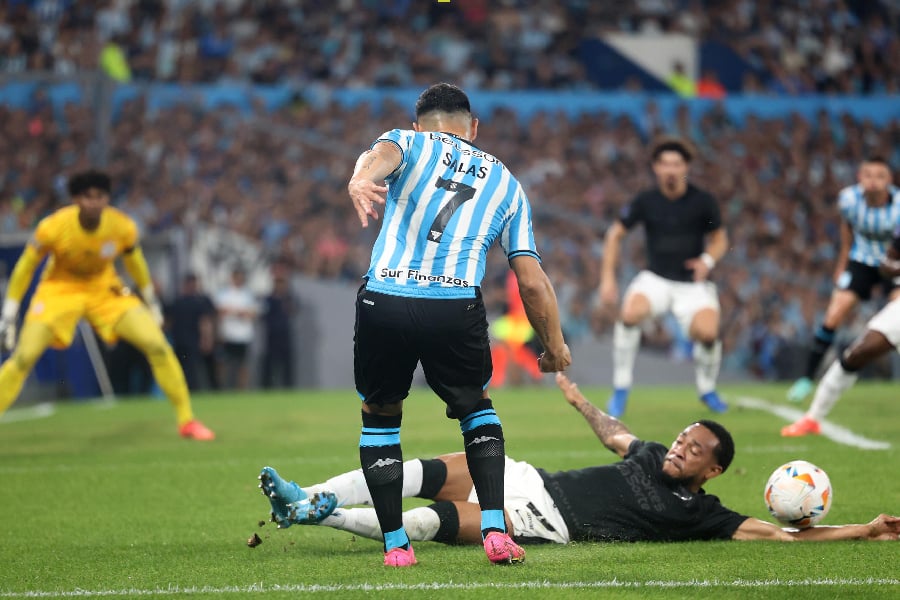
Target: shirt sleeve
<point>517,238</point>
<point>129,233</point>
<point>846,202</point>
<point>719,522</point>
<point>401,138</point>
<point>632,213</point>
<point>714,215</point>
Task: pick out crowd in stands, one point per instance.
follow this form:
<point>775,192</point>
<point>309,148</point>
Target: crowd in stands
<point>280,177</point>
<point>791,47</point>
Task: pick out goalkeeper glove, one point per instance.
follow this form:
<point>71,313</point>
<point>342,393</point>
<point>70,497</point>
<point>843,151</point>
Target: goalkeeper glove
<point>153,304</point>
<point>8,324</point>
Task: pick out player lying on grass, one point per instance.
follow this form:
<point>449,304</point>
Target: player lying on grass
<point>653,494</point>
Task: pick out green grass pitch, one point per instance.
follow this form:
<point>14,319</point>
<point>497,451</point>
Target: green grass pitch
<point>107,501</point>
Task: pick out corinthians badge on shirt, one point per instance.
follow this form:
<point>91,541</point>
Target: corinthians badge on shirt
<point>108,249</point>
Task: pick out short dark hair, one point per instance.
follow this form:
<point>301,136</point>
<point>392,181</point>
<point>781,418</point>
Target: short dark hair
<point>79,183</point>
<point>725,450</point>
<point>877,159</point>
<point>444,97</point>
<point>672,145</point>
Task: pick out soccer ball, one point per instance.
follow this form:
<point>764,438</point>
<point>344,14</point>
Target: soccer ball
<point>798,494</point>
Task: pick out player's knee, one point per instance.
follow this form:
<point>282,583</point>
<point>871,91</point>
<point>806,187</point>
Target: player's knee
<point>153,346</point>
<point>25,357</point>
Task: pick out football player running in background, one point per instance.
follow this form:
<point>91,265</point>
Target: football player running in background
<point>882,335</point>
<point>870,211</point>
<point>685,239</point>
<point>80,281</point>
<point>595,503</point>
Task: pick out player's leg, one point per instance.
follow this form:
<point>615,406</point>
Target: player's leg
<point>137,326</point>
<point>34,338</point>
<point>855,284</point>
<point>456,359</point>
<point>384,361</point>
<point>648,294</point>
<point>882,334</point>
<point>696,305</point>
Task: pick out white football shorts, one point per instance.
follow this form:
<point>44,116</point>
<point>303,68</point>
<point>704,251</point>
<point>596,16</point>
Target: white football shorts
<point>530,508</point>
<point>887,322</point>
<point>684,299</point>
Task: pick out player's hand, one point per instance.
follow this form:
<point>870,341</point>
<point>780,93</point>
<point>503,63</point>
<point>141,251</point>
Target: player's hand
<point>550,362</point>
<point>156,311</point>
<point>889,268</point>
<point>8,324</point>
<point>365,195</point>
<point>884,527</point>
<point>570,390</point>
<point>700,269</point>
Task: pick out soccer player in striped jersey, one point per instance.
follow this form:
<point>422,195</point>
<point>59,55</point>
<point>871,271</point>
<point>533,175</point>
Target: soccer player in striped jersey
<point>445,203</point>
<point>870,211</point>
<point>882,335</point>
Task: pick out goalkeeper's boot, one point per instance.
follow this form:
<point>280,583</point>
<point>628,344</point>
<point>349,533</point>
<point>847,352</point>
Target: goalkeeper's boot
<point>290,504</point>
<point>195,430</point>
<point>616,405</point>
<point>806,425</point>
<point>398,557</point>
<point>502,550</point>
<point>800,390</point>
<point>713,402</point>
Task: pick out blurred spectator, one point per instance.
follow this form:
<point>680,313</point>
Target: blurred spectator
<point>238,311</point>
<point>680,82</point>
<point>280,308</point>
<point>191,320</point>
<point>709,86</point>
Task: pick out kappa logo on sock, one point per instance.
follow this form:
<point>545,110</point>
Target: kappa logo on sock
<point>483,439</point>
<point>383,462</point>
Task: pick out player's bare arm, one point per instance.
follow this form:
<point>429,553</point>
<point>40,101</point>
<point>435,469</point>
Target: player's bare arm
<point>716,247</point>
<point>542,311</point>
<point>611,431</point>
<point>883,527</point>
<point>890,264</point>
<point>844,252</point>
<point>609,289</point>
<point>365,186</point>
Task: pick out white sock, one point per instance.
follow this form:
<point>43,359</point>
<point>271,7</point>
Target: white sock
<point>351,487</point>
<point>834,383</point>
<point>421,524</point>
<point>626,341</point>
<point>707,359</point>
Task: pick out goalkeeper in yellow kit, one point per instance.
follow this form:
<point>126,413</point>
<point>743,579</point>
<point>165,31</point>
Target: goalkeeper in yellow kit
<point>80,281</point>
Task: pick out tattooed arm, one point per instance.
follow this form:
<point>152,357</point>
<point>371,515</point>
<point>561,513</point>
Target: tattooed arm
<point>371,168</point>
<point>610,430</point>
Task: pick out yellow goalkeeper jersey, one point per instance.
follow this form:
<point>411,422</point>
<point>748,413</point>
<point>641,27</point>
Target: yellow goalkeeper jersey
<point>81,256</point>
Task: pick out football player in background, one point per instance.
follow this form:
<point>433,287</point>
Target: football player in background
<point>685,238</point>
<point>870,211</point>
<point>654,494</point>
<point>80,281</point>
<point>882,335</point>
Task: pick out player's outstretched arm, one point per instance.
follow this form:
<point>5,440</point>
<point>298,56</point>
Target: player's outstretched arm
<point>19,281</point>
<point>611,431</point>
<point>371,168</point>
<point>136,265</point>
<point>883,527</point>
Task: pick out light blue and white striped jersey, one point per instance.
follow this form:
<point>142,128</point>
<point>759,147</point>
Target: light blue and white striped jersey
<point>873,226</point>
<point>447,203</point>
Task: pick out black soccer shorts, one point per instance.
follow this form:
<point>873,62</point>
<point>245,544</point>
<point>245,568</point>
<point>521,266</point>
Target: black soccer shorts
<point>861,279</point>
<point>448,336</point>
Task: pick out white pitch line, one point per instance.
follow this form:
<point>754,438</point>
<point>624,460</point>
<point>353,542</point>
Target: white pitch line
<point>261,588</point>
<point>29,413</point>
<point>833,432</point>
